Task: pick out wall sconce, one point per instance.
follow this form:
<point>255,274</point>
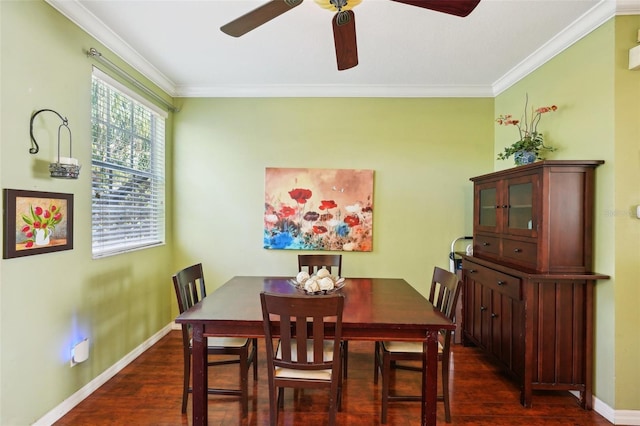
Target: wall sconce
<point>62,167</point>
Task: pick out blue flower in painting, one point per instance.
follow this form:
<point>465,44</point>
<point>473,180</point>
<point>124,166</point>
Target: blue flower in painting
<point>342,230</point>
<point>280,240</point>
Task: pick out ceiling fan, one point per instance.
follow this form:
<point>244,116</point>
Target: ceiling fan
<point>344,24</point>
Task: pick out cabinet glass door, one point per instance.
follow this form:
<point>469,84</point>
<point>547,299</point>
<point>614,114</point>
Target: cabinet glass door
<point>488,201</point>
<point>520,206</point>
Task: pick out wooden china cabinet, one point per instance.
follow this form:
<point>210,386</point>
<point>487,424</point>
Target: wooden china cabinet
<point>528,287</point>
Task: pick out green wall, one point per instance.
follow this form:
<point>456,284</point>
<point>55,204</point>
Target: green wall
<point>49,301</point>
<point>599,118</point>
<point>423,152</point>
<point>627,227</point>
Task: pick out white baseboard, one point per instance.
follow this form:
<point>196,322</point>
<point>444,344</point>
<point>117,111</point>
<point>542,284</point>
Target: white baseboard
<point>68,404</point>
<point>616,417</point>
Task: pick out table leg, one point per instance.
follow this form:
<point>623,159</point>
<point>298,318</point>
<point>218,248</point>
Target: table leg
<point>429,378</point>
<point>199,378</point>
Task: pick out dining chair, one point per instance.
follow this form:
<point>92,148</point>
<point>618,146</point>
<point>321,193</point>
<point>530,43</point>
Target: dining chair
<point>243,351</point>
<point>307,331</point>
<point>313,262</point>
<point>444,293</point>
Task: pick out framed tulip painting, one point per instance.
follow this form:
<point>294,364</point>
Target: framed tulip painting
<point>318,209</point>
<point>36,222</point>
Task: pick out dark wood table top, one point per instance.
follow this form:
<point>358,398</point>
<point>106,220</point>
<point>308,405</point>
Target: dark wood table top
<point>375,308</point>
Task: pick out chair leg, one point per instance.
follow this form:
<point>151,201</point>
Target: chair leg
<point>244,381</point>
<point>445,388</point>
<point>376,362</point>
<point>333,403</point>
<point>187,376</point>
<point>386,377</point>
<point>255,359</point>
<point>274,404</point>
<point>345,359</point>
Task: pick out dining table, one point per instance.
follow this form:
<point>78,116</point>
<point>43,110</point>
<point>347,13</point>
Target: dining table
<point>375,309</point>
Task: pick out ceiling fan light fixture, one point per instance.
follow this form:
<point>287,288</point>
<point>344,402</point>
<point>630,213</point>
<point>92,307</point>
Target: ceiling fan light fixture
<point>338,5</point>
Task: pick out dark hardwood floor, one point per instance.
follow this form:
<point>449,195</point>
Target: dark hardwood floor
<point>148,392</point>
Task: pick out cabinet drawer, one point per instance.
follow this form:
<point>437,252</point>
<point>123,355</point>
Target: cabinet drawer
<point>484,244</point>
<point>524,253</point>
<point>496,281</point>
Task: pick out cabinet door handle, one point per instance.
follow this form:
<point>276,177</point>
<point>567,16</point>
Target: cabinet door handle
<point>501,282</point>
<point>484,243</point>
<point>494,315</point>
<point>506,206</point>
<point>517,250</point>
<point>472,271</point>
<point>483,308</point>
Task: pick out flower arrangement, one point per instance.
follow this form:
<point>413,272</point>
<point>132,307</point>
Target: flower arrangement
<point>40,221</point>
<point>531,141</point>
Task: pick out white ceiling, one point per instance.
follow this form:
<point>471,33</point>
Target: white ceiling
<point>402,50</point>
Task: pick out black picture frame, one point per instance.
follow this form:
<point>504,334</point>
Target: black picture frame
<point>36,222</point>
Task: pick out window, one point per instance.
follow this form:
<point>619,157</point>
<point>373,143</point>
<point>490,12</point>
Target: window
<point>127,168</point>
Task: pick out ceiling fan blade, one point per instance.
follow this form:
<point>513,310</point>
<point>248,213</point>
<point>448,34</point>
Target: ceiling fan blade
<point>344,37</point>
<point>259,16</point>
<point>452,7</point>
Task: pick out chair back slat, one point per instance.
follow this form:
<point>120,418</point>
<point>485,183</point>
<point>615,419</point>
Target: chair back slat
<point>314,262</point>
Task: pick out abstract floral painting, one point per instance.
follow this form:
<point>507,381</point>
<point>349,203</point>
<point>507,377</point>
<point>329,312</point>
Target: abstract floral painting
<point>318,209</point>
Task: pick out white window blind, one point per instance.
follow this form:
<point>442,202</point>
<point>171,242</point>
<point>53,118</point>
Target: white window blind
<point>128,175</point>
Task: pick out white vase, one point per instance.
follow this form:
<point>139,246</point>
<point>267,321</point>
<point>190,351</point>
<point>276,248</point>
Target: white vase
<point>42,237</point>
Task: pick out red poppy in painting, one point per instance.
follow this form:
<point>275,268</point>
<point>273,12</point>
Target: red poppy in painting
<point>300,195</point>
<point>319,229</point>
<point>328,204</point>
<point>287,211</point>
<point>326,216</point>
<point>352,220</point>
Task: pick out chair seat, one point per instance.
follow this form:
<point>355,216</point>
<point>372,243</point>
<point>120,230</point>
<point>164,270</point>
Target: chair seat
<point>225,342</point>
<point>407,347</point>
<point>324,375</point>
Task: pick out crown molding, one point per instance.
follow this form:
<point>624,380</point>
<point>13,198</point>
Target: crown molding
<point>332,91</point>
<point>87,21</point>
<point>582,26</point>
<point>627,7</point>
